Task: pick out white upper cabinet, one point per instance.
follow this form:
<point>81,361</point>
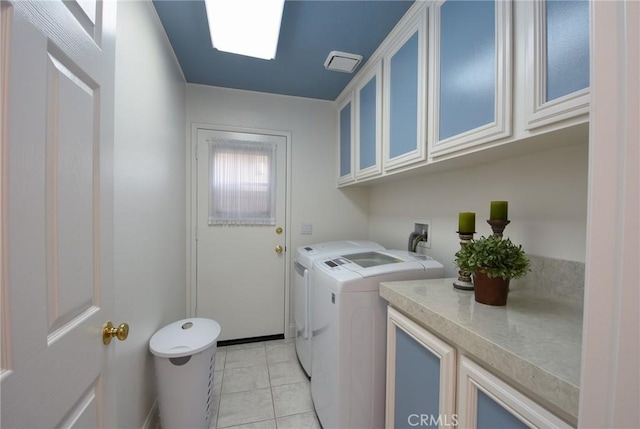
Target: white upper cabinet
<point>457,77</point>
<point>368,123</point>
<point>471,74</point>
<point>345,141</point>
<point>405,94</point>
<point>557,56</point>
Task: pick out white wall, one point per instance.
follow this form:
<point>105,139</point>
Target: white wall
<point>547,194</point>
<point>334,214</point>
<point>149,200</point>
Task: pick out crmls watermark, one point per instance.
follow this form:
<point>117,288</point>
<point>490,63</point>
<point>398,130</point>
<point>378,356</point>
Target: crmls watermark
<point>430,420</point>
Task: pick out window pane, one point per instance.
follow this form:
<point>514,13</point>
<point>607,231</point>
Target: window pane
<point>242,183</point>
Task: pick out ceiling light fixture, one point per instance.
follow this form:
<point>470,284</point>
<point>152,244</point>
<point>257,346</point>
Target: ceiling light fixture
<point>247,27</point>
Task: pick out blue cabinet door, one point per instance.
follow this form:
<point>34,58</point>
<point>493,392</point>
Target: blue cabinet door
<point>417,375</point>
<point>467,66</point>
<point>345,140</point>
<point>492,415</point>
<point>405,95</point>
<point>557,59</point>
<point>486,402</point>
<point>471,71</point>
<point>368,135</point>
<point>420,376</point>
<point>567,50</point>
<point>403,109</point>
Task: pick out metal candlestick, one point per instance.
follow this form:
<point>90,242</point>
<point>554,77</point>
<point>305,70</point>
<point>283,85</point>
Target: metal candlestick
<point>498,226</point>
<point>464,278</point>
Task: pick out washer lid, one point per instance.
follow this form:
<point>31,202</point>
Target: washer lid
<point>184,338</point>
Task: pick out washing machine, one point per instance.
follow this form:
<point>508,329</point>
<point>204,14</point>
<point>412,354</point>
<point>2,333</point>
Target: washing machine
<point>302,286</point>
<point>349,333</point>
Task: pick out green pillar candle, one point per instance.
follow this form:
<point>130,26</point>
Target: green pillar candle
<point>499,210</point>
<point>466,222</point>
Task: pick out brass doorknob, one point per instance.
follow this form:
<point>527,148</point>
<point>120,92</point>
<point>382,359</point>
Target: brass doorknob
<point>279,249</point>
<point>109,331</point>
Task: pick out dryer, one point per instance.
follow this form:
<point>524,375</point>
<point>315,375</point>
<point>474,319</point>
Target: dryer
<point>302,286</point>
<point>349,333</point>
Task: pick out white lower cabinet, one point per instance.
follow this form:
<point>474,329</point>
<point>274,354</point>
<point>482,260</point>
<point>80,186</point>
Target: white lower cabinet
<point>422,387</point>
<point>421,375</point>
<point>485,401</point>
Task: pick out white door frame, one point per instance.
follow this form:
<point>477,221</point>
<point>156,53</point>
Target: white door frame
<point>609,393</point>
<point>192,213</point>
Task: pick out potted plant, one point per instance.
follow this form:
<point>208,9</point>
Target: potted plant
<point>494,262</point>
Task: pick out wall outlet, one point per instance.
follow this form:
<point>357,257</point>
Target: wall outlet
<point>306,229</point>
<point>423,226</point>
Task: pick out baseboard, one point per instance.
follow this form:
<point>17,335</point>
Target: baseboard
<point>292,331</point>
<point>153,418</point>
<point>250,340</point>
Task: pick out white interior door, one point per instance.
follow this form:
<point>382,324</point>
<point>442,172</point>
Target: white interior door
<point>240,273</point>
<point>57,138</point>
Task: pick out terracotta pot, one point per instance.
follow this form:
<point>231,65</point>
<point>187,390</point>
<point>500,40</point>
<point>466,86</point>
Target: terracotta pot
<point>490,291</point>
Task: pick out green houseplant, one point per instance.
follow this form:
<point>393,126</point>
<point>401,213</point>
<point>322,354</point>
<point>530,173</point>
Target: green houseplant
<point>494,262</point>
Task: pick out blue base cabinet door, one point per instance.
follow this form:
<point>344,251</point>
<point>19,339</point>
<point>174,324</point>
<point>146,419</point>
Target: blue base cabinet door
<point>557,54</point>
<point>471,74</point>
<point>487,402</point>
<point>420,376</point>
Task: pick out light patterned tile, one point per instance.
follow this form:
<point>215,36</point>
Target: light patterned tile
<point>245,378</point>
<point>299,421</point>
<point>286,373</point>
<point>291,399</point>
<point>281,353</point>
<point>243,346</point>
<point>245,407</point>
<point>221,356</point>
<point>217,382</point>
<point>265,424</point>
<point>241,358</point>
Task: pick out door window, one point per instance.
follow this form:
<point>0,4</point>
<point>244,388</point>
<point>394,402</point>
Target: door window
<point>242,187</point>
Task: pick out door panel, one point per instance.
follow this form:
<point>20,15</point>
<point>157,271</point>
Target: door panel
<point>240,276</point>
<point>57,69</point>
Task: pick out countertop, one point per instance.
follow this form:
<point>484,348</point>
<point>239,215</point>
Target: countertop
<point>534,342</point>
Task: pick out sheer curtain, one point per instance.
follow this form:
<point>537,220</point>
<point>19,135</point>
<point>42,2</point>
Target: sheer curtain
<point>242,188</point>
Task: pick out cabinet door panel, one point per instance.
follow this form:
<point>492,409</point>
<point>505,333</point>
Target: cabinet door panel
<point>467,66</point>
<point>420,376</point>
<point>417,372</point>
<point>405,64</point>
<point>368,132</point>
<point>557,61</point>
<point>485,401</point>
<point>368,125</point>
<point>403,101</point>
<point>345,139</point>
<point>471,74</point>
<point>492,415</point>
<point>567,24</point>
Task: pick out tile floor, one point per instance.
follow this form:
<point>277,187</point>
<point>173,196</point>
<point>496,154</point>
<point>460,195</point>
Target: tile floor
<point>262,386</point>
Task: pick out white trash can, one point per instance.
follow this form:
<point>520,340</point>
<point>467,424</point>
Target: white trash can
<point>185,358</point>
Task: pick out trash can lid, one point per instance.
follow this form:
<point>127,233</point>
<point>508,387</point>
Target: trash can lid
<point>184,338</point>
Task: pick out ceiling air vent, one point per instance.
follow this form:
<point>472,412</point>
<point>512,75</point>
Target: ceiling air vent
<point>342,61</point>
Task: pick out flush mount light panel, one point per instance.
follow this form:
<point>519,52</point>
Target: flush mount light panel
<point>342,61</point>
<point>247,27</point>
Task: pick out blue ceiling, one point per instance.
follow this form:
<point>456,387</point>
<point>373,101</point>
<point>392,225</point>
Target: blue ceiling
<point>310,30</point>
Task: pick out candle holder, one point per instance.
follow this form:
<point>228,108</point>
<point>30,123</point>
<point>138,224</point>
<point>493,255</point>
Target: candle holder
<point>464,278</point>
<point>498,226</point>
